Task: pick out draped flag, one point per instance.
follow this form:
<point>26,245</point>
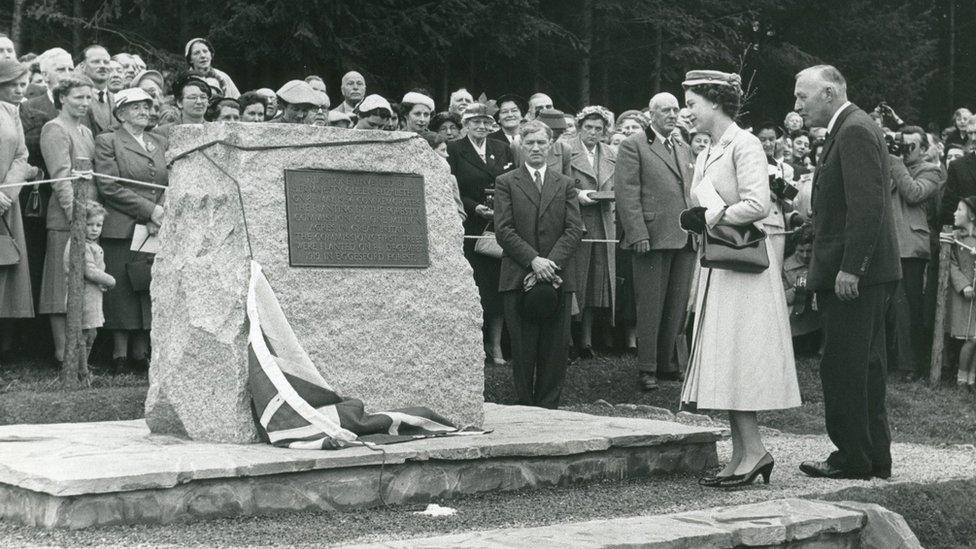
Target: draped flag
<point>296,407</point>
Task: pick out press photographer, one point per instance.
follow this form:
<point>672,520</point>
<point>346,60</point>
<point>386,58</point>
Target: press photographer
<point>915,183</point>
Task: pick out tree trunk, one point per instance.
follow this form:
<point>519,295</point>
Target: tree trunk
<point>951,83</point>
<point>77,13</point>
<point>74,372</point>
<point>16,22</point>
<point>938,337</point>
<point>658,55</point>
<point>586,48</point>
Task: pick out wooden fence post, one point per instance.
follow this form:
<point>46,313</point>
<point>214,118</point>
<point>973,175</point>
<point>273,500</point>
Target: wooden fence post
<point>74,372</point>
<point>938,337</point>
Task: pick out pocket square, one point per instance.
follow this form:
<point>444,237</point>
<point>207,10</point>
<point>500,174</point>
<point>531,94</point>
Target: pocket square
<point>507,165</point>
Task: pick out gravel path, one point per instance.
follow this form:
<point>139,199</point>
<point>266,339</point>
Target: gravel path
<point>913,463</point>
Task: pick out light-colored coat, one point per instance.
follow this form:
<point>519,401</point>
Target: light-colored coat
<point>913,188</point>
<point>742,350</point>
<point>603,212</point>
<point>15,287</point>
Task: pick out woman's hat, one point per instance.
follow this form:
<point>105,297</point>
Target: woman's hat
<point>540,302</point>
<point>553,118</point>
<point>189,46</point>
<point>418,99</point>
<point>129,96</point>
<point>475,110</point>
<point>298,92</point>
<point>697,78</point>
<point>373,102</point>
<point>602,112</point>
<point>442,118</point>
<point>155,76</point>
<point>11,70</point>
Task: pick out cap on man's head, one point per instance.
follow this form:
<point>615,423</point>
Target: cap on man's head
<point>298,92</point>
<point>11,69</point>
<point>373,102</point>
<point>554,118</point>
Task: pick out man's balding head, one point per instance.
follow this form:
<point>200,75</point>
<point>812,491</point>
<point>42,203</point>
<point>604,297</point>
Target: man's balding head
<point>538,102</point>
<point>663,109</point>
<point>820,90</point>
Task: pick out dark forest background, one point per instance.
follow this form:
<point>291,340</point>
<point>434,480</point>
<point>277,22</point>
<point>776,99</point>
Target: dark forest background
<point>915,54</point>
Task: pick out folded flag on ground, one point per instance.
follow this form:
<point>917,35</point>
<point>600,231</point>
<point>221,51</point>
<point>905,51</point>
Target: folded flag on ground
<point>297,408</point>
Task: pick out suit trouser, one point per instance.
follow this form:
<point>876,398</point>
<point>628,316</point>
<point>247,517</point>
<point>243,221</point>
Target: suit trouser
<point>540,351</point>
<point>913,282</point>
<point>662,282</point>
<point>853,371</point>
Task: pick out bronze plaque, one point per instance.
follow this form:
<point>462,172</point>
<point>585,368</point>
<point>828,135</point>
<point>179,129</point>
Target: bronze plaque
<point>355,219</point>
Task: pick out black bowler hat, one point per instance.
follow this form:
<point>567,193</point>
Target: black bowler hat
<point>540,302</point>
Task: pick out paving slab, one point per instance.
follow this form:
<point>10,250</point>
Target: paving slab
<point>777,523</point>
<point>85,474</point>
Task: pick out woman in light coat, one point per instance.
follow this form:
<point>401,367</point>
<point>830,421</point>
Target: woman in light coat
<point>15,287</point>
<point>591,168</point>
<point>742,352</point>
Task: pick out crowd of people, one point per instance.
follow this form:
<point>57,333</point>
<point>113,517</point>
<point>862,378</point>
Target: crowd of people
<point>629,279</point>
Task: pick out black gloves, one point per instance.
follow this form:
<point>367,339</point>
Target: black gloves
<point>693,220</point>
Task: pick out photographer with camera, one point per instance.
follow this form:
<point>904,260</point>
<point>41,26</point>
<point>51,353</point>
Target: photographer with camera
<point>780,185</point>
<point>914,183</point>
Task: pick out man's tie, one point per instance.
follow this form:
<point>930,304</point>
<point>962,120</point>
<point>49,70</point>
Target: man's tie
<point>668,145</point>
<point>538,181</point>
<point>101,96</point>
<point>482,155</point>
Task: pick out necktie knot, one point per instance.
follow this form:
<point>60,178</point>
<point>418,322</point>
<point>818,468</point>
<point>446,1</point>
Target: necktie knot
<point>538,180</point>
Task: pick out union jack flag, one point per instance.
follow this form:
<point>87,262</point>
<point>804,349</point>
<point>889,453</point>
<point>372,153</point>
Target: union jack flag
<point>295,405</point>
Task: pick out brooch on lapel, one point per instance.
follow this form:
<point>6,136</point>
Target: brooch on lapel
<point>506,166</point>
<point>149,146</point>
<point>491,156</point>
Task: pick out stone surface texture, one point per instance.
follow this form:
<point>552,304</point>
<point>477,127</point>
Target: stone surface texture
<point>884,528</point>
<point>80,475</point>
<point>777,523</point>
<point>390,337</point>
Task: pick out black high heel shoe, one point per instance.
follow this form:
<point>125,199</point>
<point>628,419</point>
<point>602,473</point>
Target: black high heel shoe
<point>713,481</point>
<point>764,467</point>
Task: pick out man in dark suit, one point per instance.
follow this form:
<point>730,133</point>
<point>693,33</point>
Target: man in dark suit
<point>960,183</point>
<point>854,270</point>
<point>96,66</point>
<point>652,180</point>
<point>538,225</point>
<point>475,162</point>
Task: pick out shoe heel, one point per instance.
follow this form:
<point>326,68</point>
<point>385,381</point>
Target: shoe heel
<point>766,472</point>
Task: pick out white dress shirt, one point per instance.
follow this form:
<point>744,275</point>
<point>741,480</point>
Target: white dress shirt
<point>833,119</point>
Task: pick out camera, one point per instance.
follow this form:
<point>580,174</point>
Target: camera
<point>489,198</point>
<point>782,189</point>
<point>888,115</point>
<point>896,144</point>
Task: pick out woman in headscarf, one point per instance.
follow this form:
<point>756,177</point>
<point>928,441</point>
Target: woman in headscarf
<point>592,168</point>
<point>415,109</point>
<point>199,55</point>
<point>15,288</point>
<point>65,143</point>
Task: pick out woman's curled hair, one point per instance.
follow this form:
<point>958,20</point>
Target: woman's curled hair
<point>727,97</point>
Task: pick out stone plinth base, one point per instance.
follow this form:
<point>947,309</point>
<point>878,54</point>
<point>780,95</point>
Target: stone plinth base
<point>92,474</point>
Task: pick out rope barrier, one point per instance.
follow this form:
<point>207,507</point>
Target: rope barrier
<point>479,237</point>
<point>84,175</point>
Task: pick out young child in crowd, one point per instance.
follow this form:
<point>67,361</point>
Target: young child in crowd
<point>96,279</point>
<point>962,308</point>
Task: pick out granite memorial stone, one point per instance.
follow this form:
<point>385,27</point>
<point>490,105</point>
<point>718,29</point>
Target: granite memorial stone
<point>357,232</point>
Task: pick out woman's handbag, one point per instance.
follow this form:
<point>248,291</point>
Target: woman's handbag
<point>488,245</point>
<point>140,271</point>
<point>740,248</point>
<point>9,254</point>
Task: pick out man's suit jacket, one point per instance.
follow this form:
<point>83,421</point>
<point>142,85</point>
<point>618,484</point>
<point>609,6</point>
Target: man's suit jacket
<point>474,176</point>
<point>853,221</point>
<point>34,114</point>
<point>652,188</point>
<point>118,153</point>
<point>914,187</point>
<point>960,182</point>
<point>100,118</point>
<point>529,224</point>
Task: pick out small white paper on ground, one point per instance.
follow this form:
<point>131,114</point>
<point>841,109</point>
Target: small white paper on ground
<point>434,510</point>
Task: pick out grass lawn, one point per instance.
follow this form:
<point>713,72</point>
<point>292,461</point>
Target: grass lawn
<point>29,393</point>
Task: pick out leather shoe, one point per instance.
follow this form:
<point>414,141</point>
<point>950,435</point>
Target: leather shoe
<point>822,469</point>
<point>647,382</point>
<point>670,376</point>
